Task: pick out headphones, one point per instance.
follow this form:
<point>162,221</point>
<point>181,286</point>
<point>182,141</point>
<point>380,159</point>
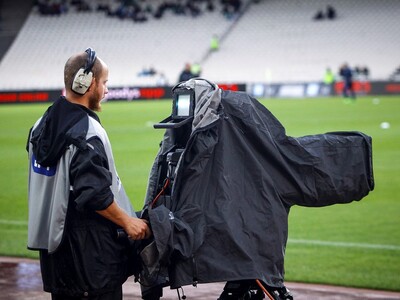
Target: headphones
<point>83,78</point>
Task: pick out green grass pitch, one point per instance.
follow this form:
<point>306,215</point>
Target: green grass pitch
<point>356,244</point>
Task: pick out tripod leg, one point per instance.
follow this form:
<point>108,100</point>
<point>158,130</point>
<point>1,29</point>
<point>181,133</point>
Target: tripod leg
<point>241,290</point>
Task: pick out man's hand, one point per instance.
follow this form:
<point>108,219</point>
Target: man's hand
<point>137,229</point>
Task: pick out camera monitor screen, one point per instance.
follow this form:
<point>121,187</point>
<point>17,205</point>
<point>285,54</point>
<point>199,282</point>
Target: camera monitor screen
<point>183,105</point>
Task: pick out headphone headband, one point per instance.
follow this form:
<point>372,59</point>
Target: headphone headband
<point>90,60</point>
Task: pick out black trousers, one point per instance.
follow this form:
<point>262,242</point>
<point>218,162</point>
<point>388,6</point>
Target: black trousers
<point>114,295</point>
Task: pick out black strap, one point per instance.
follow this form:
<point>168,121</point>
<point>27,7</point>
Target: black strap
<point>90,60</point>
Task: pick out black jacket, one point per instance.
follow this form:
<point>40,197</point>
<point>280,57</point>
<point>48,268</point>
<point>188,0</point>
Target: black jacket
<point>89,260</point>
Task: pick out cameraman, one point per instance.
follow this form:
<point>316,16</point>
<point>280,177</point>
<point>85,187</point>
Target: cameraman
<point>76,200</point>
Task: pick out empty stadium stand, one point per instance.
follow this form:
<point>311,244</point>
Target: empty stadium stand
<point>12,16</point>
<point>272,41</point>
<point>277,41</point>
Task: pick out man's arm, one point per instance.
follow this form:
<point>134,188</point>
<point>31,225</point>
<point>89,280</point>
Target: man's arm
<point>136,229</point>
<point>91,180</point>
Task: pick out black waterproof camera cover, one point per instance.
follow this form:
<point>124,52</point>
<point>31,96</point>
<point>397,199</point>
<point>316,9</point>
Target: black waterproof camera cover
<point>237,178</point>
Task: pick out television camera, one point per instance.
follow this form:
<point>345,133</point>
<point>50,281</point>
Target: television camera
<point>179,124</point>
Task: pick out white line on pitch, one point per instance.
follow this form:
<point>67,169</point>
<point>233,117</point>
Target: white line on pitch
<point>344,244</point>
<point>13,222</point>
<point>293,241</point>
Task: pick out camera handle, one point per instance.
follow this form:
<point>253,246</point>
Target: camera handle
<point>166,124</point>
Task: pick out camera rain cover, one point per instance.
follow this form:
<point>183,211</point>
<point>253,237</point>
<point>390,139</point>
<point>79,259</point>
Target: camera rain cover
<point>235,183</point>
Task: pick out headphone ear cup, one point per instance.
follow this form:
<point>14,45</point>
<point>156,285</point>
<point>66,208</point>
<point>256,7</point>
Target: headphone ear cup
<point>82,81</point>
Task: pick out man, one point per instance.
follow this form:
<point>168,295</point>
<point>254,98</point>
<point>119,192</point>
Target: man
<point>329,77</point>
<point>347,76</point>
<point>186,73</point>
<point>76,200</point>
<point>214,44</point>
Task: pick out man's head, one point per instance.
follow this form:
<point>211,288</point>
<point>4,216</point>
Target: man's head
<point>96,87</point>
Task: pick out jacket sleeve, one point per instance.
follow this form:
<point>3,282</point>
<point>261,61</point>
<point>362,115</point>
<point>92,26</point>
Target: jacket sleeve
<point>90,177</point>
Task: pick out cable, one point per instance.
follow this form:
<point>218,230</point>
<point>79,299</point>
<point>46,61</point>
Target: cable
<point>264,289</point>
<point>160,193</point>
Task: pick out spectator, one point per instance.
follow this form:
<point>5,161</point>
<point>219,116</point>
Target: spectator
<point>395,76</point>
<point>161,80</point>
<point>319,16</point>
<point>193,9</point>
<point>50,7</point>
<point>186,74</point>
<point>329,77</point>
<point>357,70</point>
<point>214,44</point>
<point>230,8</point>
<point>147,72</point>
<point>361,73</point>
<point>103,6</point>
<point>210,5</point>
<point>365,72</point>
<point>331,12</point>
<point>83,6</point>
<point>196,69</point>
<point>362,77</point>
<point>347,75</point>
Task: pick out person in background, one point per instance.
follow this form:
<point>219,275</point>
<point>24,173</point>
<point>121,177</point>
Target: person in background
<point>77,203</point>
<point>329,81</point>
<point>329,77</point>
<point>186,73</point>
<point>196,69</point>
<point>347,75</point>
<point>319,15</point>
<point>161,80</point>
<point>331,12</point>
<point>214,44</point>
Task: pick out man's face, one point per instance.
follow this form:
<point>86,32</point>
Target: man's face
<point>100,91</point>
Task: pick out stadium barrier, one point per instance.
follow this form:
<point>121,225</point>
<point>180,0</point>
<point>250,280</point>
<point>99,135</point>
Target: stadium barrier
<point>257,90</point>
<point>319,89</point>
